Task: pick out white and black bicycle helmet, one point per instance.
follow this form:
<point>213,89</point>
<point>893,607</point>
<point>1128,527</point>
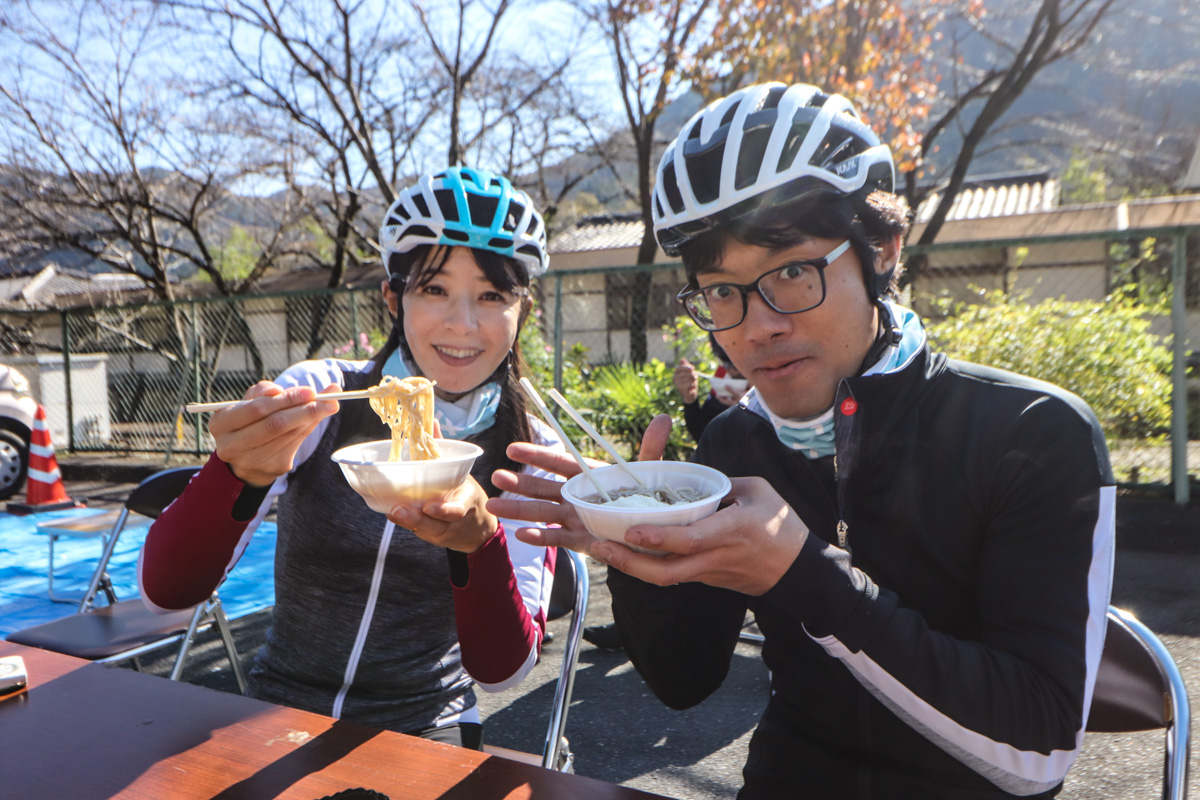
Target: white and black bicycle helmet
<point>768,143</point>
<point>467,207</point>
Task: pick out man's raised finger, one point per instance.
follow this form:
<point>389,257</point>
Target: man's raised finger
<point>527,485</point>
<point>549,459</point>
<point>529,510</point>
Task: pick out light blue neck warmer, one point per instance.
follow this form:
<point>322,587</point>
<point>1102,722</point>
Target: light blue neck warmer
<point>814,436</point>
<point>473,412</point>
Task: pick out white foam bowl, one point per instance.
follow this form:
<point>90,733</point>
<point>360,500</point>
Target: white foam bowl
<point>606,522</point>
<point>384,484</point>
<point>728,390</point>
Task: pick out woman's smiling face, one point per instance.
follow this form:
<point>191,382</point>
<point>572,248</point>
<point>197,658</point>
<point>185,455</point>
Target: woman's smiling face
<point>458,325</point>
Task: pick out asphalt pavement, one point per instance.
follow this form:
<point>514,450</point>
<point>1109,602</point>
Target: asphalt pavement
<point>620,733</point>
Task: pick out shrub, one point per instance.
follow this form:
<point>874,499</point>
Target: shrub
<point>1101,351</point>
<point>622,399</point>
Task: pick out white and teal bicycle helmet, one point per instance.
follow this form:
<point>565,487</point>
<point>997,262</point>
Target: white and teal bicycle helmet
<point>768,143</point>
<point>466,207</point>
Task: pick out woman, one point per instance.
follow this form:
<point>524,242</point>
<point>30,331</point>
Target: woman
<point>386,621</point>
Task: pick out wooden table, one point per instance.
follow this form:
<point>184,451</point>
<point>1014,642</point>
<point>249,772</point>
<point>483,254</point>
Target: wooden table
<point>82,731</point>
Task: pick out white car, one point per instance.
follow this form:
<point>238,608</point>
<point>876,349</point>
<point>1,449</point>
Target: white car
<point>17,410</point>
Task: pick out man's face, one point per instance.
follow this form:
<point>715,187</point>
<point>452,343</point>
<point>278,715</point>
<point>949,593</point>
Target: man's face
<point>797,360</point>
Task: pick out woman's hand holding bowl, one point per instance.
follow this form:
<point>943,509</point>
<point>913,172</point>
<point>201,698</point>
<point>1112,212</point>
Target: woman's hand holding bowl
<point>458,521</point>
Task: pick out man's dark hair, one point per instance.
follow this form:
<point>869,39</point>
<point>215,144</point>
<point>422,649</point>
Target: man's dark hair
<point>866,221</point>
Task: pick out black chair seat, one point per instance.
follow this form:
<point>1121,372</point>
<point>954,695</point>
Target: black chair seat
<point>1131,691</point>
<point>105,632</point>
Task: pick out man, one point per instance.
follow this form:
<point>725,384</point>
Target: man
<point>926,544</point>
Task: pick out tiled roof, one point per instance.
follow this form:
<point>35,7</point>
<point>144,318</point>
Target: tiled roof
<point>51,288</point>
<point>600,233</point>
<point>996,199</point>
<point>984,197</point>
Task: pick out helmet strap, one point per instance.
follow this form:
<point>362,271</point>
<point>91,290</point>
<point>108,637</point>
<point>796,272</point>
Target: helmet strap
<point>888,335</point>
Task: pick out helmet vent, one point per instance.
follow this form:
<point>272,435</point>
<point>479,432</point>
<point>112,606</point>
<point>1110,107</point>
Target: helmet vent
<point>458,236</point>
<point>773,97</point>
<point>445,201</point>
<point>750,156</point>
<point>499,244</point>
<point>704,169</point>
<point>817,100</point>
<point>422,207</point>
<point>837,146</point>
<point>515,212</point>
<point>482,209</point>
<point>728,118</point>
<point>880,177</point>
<point>420,230</point>
<point>801,123</point>
<point>673,195</point>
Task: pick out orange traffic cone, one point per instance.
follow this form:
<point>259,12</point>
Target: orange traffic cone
<point>44,488</point>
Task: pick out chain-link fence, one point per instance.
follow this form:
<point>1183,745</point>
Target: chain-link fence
<point>1144,384</point>
<point>117,378</point>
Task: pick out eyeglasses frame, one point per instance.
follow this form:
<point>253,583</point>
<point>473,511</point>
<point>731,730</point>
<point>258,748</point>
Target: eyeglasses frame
<point>745,289</point>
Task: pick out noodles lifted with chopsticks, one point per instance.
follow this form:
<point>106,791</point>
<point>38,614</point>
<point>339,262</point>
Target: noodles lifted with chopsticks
<point>686,494</point>
<point>406,406</point>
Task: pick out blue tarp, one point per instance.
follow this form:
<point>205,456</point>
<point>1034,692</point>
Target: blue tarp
<point>24,600</point>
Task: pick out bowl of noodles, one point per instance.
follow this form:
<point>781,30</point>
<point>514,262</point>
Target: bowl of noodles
<point>384,484</point>
<point>412,466</point>
<point>676,493</point>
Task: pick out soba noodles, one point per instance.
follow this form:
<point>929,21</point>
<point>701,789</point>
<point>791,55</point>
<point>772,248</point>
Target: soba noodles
<point>637,497</point>
<point>406,406</point>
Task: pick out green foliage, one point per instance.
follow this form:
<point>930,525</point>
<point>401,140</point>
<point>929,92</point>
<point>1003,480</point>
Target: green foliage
<point>688,341</point>
<point>1084,181</point>
<point>320,243</point>
<point>235,258</point>
<point>539,358</point>
<point>1137,268</point>
<point>1101,351</point>
<point>619,400</point>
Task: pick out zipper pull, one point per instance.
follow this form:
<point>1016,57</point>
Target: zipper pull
<point>843,535</point>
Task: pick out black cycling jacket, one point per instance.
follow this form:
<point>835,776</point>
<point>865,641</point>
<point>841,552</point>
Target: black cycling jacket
<point>949,648</point>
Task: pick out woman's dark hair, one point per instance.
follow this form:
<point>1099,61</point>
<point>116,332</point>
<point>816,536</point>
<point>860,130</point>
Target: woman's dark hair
<point>866,221</point>
<point>414,269</point>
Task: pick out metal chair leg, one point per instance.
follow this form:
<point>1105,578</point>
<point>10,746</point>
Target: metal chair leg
<point>230,648</point>
<point>186,644</point>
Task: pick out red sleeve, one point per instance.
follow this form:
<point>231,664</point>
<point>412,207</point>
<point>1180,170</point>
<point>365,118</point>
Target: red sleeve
<point>190,546</point>
<point>495,631</point>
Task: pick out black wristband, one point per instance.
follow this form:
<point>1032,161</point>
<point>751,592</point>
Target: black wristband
<point>460,570</point>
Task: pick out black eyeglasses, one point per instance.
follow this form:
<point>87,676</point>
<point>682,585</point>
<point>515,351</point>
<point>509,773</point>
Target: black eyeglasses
<point>795,287</point>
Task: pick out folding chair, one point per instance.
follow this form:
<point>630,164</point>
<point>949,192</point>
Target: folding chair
<point>1139,688</point>
<point>568,595</point>
<point>124,630</point>
<point>90,526</point>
